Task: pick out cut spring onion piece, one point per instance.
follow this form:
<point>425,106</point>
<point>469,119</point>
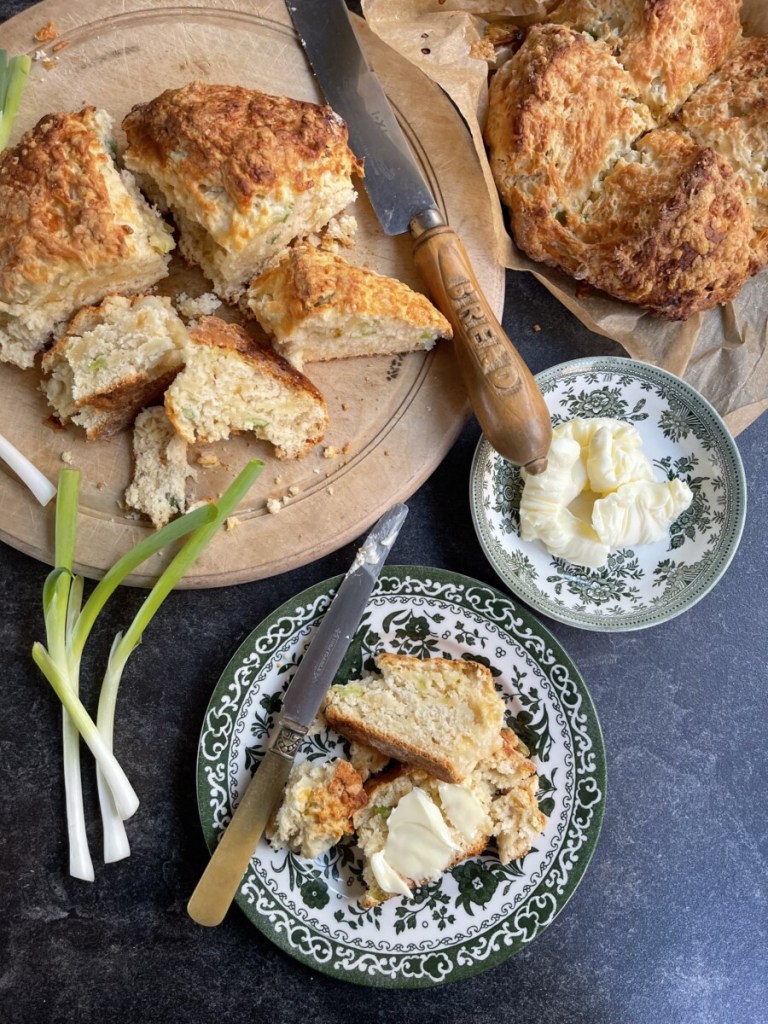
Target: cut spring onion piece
<point>13,77</point>
<point>40,485</point>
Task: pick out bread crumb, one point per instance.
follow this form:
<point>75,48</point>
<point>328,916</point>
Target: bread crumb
<point>101,485</point>
<point>274,505</point>
<point>60,45</point>
<point>332,452</point>
<point>386,452</point>
<point>67,457</point>
<point>344,406</point>
<point>203,305</point>
<point>46,33</point>
<point>39,55</point>
<point>278,479</point>
<point>329,490</point>
<point>231,524</point>
<point>50,63</point>
<point>293,490</point>
<point>208,459</point>
<point>537,327</point>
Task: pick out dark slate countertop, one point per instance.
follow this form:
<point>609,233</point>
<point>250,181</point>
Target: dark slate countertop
<point>668,924</point>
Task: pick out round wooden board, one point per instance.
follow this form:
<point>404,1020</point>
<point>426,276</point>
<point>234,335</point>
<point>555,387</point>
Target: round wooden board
<point>393,419</point>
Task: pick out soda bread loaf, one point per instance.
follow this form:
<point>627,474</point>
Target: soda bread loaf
<point>232,384</point>
<point>601,183</point>
<point>112,360</point>
<point>445,823</point>
<point>243,172</point>
<point>317,306</point>
<point>317,807</point>
<point>159,484</point>
<point>73,228</point>
<point>436,714</point>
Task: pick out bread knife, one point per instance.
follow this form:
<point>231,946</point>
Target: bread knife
<point>219,882</point>
<point>501,388</point>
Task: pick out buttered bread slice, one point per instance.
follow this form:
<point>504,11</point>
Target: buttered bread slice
<point>231,384</point>
<point>317,306</point>
<point>437,714</point>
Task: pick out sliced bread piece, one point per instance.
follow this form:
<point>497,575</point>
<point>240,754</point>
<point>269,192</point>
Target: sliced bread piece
<point>113,360</point>
<point>232,384</point>
<point>440,715</point>
<point>159,485</point>
<point>318,307</point>
<point>317,807</point>
<point>243,172</point>
<point>73,228</point>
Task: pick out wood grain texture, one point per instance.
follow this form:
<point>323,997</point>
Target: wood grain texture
<point>393,419</point>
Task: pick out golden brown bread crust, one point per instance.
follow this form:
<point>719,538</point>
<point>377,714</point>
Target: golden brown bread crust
<point>646,215</point>
<point>242,141</point>
<point>729,113</point>
<point>668,47</point>
<point>55,210</point>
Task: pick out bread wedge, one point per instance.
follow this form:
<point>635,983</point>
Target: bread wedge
<point>73,228</point>
<point>439,715</point>
<point>317,306</point>
<point>231,384</point>
<point>112,360</point>
<point>243,173</point>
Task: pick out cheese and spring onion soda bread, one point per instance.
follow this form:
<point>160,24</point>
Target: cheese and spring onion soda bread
<point>436,714</point>
<point>73,228</point>
<point>232,384</point>
<point>243,173</point>
<point>159,484</point>
<point>589,146</point>
<point>317,306</point>
<point>112,360</point>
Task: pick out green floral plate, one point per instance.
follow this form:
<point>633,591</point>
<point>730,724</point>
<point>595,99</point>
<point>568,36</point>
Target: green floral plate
<point>683,437</point>
<point>480,912</point>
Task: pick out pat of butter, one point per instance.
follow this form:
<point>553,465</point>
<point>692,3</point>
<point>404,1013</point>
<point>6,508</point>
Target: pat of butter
<point>419,846</point>
<point>462,808</point>
<point>386,876</point>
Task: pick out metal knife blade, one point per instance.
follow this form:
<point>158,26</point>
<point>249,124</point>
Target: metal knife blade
<point>501,388</point>
<point>219,882</point>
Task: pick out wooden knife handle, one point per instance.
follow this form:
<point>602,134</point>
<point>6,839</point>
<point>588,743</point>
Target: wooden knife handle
<point>502,391</point>
<point>220,881</point>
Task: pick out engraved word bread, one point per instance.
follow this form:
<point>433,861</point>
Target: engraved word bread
<point>244,173</point>
<point>73,228</point>
<point>606,175</point>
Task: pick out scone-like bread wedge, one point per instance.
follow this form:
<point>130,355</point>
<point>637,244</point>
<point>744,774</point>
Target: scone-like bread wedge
<point>243,172</point>
<point>73,228</point>
<point>318,306</point>
<point>434,713</point>
<point>113,360</point>
<point>232,384</point>
<point>498,799</point>
<point>668,49</point>
<point>317,807</point>
<point>160,471</point>
<point>729,114</point>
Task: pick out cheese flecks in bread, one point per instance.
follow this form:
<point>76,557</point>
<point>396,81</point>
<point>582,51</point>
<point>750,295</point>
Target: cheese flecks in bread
<point>158,487</point>
<point>244,173</point>
<point>667,49</point>
<point>594,188</point>
<point>317,306</point>
<point>231,384</point>
<point>437,714</point>
<point>317,807</point>
<point>446,823</point>
<point>73,228</point>
<point>113,360</point>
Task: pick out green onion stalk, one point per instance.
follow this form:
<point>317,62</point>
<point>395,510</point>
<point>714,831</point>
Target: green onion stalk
<point>13,78</point>
<point>115,839</point>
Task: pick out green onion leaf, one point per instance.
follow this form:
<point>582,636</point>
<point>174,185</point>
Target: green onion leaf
<point>15,71</point>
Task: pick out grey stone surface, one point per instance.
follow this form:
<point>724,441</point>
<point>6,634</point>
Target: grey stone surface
<point>669,923</point>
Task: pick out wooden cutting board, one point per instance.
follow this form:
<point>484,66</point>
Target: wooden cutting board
<point>391,419</point>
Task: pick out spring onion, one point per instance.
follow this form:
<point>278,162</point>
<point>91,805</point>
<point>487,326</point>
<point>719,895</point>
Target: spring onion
<point>68,625</point>
<point>28,473</point>
<point>13,77</point>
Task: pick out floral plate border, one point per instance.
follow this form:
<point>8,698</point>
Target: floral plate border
<point>480,912</point>
<point>683,436</point>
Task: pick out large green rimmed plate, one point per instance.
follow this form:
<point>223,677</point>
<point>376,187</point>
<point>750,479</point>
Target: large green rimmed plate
<point>683,436</point>
<point>481,912</point>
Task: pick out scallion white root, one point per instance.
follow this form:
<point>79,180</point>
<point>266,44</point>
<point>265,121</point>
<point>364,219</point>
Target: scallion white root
<point>28,473</point>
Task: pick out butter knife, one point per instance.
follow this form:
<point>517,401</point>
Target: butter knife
<point>219,882</point>
<point>501,388</point>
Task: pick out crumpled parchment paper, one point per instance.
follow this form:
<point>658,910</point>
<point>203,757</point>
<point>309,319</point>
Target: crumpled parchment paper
<point>723,353</point>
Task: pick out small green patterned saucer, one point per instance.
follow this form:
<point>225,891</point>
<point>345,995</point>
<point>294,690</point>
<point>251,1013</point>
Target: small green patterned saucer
<point>683,437</point>
<point>478,913</point>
